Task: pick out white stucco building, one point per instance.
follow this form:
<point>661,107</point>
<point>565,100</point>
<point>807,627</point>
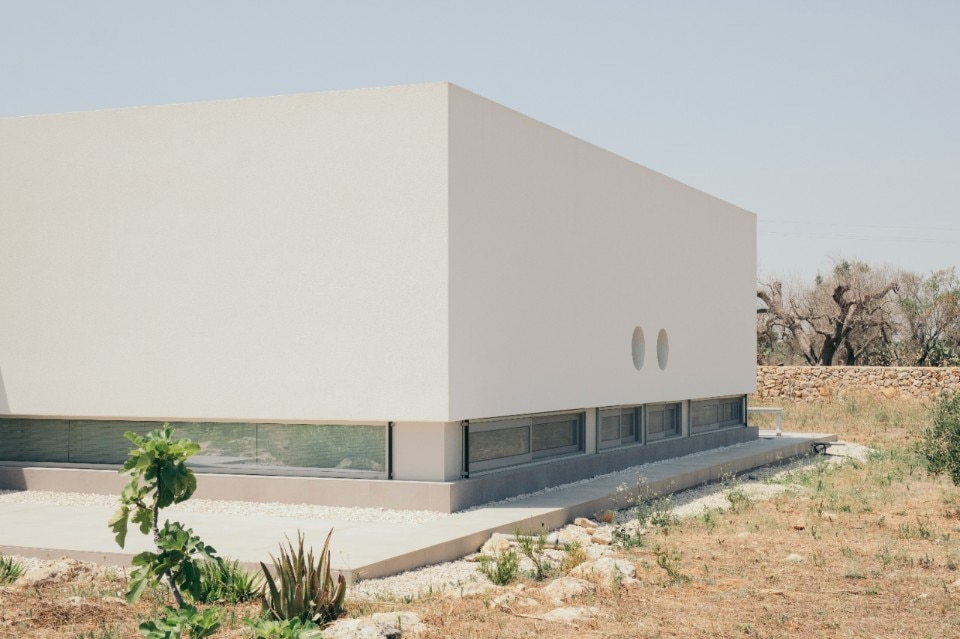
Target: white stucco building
<point>410,284</point>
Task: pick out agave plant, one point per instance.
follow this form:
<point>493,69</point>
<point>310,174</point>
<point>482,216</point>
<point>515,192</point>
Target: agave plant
<point>303,589</point>
<point>9,570</point>
<point>227,581</point>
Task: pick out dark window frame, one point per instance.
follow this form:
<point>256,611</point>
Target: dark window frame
<point>531,453</point>
<point>650,410</point>
<point>727,412</point>
<point>636,413</point>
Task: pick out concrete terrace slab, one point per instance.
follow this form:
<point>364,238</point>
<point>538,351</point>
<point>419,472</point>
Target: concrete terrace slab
<point>377,549</point>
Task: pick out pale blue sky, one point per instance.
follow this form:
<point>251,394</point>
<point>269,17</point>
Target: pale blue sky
<point>837,123</point>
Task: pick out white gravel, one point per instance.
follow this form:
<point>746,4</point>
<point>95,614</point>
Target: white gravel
<point>300,511</point>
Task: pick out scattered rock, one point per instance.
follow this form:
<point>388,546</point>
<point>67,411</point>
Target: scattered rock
<point>606,570</point>
<point>597,551</point>
<point>381,625</point>
<point>602,537</point>
<point>794,558</point>
<point>473,588</point>
<point>56,571</point>
<point>498,542</point>
<point>571,534</point>
<point>583,522</point>
<point>565,588</point>
<point>406,622</point>
<point>607,517</point>
<point>571,615</point>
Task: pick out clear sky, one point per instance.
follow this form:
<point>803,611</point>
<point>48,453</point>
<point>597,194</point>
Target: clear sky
<point>837,123</point>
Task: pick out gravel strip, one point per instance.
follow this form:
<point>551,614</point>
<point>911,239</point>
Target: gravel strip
<point>299,511</point>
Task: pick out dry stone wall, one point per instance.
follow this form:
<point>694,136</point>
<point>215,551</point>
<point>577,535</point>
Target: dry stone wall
<point>816,382</point>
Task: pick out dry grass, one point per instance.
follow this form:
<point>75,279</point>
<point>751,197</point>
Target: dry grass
<point>865,419</point>
<point>874,547</point>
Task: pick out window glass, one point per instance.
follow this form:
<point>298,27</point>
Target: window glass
<point>558,432</point>
<point>225,446</point>
<point>712,414</point>
<point>508,442</point>
<point>628,430</point>
<point>618,426</point>
<point>663,420</point>
<point>505,442</point>
<point>610,427</point>
<point>34,440</point>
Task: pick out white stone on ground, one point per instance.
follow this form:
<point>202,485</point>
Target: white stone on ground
<point>563,589</point>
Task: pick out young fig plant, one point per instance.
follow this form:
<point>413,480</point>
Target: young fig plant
<point>160,478</point>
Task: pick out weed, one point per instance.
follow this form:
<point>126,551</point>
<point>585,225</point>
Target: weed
<point>709,520</point>
<point>116,631</point>
<point>739,501</point>
<point>573,556</point>
<point>629,536</point>
<point>532,547</point>
<point>286,629</point>
<point>175,621</point>
<point>885,556</point>
<point>669,561</point>
<point>648,510</point>
<point>502,568</point>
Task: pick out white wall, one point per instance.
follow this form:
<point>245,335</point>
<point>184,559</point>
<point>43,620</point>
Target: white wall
<point>559,249</point>
<point>415,254</point>
<point>279,258</point>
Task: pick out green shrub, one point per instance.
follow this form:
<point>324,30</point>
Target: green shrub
<point>286,629</point>
<point>176,621</point>
<point>9,570</point>
<point>228,582</point>
<point>303,589</point>
<point>502,568</point>
<point>941,442</point>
